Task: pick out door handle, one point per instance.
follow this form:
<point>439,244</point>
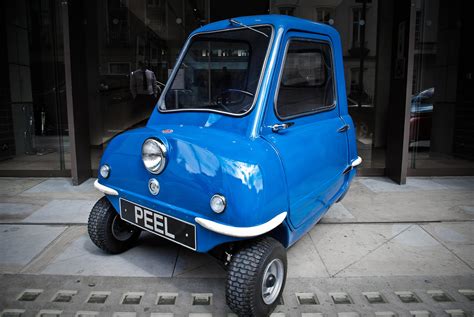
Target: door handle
<point>344,128</point>
<point>281,126</point>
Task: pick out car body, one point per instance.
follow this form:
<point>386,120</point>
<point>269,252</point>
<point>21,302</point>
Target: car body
<point>421,113</point>
<point>277,173</point>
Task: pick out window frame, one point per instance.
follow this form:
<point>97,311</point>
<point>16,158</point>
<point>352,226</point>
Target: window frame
<point>277,91</point>
<point>183,52</point>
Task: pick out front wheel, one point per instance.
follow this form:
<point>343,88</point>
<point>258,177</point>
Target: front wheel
<point>256,277</point>
<point>108,231</point>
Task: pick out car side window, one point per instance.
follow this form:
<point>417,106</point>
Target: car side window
<point>306,83</point>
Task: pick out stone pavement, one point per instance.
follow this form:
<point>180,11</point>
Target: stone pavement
<point>382,239</point>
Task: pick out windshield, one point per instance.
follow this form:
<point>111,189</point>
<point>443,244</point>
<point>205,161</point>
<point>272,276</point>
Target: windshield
<point>220,72</point>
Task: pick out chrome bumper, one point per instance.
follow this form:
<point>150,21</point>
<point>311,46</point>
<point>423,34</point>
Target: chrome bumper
<point>106,190</point>
<point>356,162</point>
<point>242,232</point>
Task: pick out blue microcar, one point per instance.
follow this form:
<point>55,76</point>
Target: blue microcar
<point>249,145</point>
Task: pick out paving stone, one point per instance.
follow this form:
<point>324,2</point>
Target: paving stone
<point>166,298</point>
<point>277,315</point>
<point>312,315</point>
<point>16,211</point>
<point>200,315</point>
<point>385,314</point>
<point>21,243</point>
<point>383,184</point>
<point>10,186</point>
<point>12,313</point>
<point>337,211</point>
<point>62,211</point>
<point>304,260</point>
<point>192,264</point>
<point>408,297</point>
<point>340,245</point>
<point>457,237</point>
<point>202,299</point>
<point>151,257</point>
<point>412,252</point>
<point>61,185</point>
<point>161,315</point>
<point>456,183</point>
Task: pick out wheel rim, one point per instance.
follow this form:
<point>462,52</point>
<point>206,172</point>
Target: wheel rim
<point>121,230</point>
<point>272,281</point>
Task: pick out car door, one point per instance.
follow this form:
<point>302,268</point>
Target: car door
<point>303,124</point>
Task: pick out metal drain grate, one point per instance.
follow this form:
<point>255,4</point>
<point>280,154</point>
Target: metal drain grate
<point>307,299</point>
<point>166,298</point>
<point>63,296</point>
<point>30,295</point>
<point>408,297</point>
<point>439,296</point>
<point>468,293</point>
<point>13,313</point>
<point>98,297</point>
<point>341,298</point>
<point>132,298</point>
<point>202,299</point>
<point>374,297</point>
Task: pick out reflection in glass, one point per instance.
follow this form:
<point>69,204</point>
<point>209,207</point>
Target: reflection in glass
<point>219,72</point>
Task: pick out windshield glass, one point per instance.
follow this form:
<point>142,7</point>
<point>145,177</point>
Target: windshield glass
<point>220,72</point>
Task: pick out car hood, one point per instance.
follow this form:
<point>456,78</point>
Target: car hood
<point>200,163</point>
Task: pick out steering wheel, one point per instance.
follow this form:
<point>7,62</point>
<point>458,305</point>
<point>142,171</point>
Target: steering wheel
<point>223,101</point>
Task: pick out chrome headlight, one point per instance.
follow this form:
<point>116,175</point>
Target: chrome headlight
<point>104,171</point>
<point>218,203</point>
<point>154,155</point>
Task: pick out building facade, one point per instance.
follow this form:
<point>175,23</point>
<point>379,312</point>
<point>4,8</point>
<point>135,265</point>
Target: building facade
<point>73,77</point>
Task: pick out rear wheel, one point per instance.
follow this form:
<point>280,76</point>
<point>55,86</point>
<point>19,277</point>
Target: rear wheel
<point>256,277</point>
<point>108,231</point>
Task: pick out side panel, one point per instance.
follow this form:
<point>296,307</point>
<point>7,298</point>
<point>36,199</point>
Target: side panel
<point>313,153</point>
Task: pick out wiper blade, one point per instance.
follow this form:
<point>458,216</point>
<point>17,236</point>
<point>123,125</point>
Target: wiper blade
<point>233,21</point>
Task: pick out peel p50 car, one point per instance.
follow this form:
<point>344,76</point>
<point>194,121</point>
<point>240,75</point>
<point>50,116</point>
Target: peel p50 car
<point>250,144</point>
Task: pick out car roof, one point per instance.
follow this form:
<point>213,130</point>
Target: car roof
<point>276,20</point>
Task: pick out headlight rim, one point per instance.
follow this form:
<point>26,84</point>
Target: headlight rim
<point>224,201</point>
<point>107,167</point>
<point>164,155</point>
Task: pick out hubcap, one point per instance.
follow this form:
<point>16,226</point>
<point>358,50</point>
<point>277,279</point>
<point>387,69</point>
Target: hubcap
<point>121,230</point>
<point>272,281</point>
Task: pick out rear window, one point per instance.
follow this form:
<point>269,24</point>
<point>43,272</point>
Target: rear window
<point>307,83</point>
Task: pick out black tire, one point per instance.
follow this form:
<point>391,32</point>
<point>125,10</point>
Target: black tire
<point>245,277</point>
<point>101,219</point>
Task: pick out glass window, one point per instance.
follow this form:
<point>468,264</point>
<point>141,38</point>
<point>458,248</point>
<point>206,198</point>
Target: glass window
<point>34,132</point>
<point>441,113</point>
<point>324,15</point>
<point>220,72</point>
<point>306,83</point>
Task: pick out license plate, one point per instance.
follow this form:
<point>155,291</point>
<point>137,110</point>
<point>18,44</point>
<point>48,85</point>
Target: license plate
<point>156,222</point>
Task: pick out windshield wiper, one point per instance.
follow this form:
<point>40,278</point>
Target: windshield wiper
<point>233,21</point>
